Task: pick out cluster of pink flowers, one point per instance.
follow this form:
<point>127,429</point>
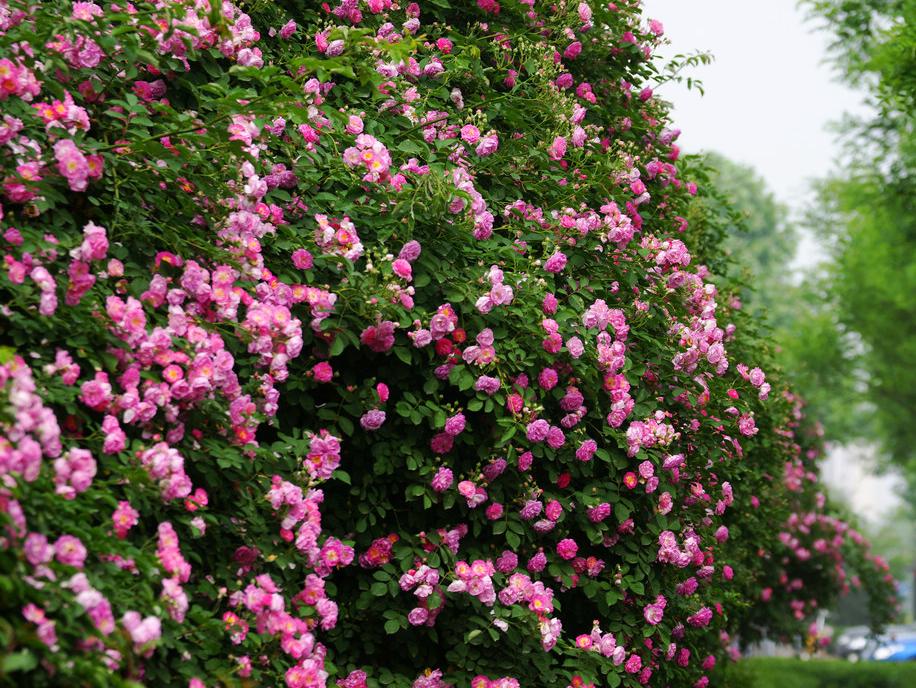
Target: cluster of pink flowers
<point>301,509</point>
<point>34,432</point>
<point>474,494</point>
<point>379,337</point>
<point>144,632</point>
<point>670,552</point>
<point>45,628</point>
<point>702,338</point>
<point>124,518</point>
<point>654,431</point>
<point>179,570</point>
<point>73,472</point>
<point>166,466</point>
<point>371,155</point>
<point>194,362</point>
<point>483,352</point>
<point>263,599</point>
<point>324,455</point>
<point>500,294</point>
<point>757,378</point>
<point>379,552</point>
<point>338,237</point>
<point>611,357</point>
<point>476,580</point>
<point>431,678</point>
<point>481,216</point>
<point>603,643</point>
<point>94,603</point>
<point>424,583</point>
<point>74,166</point>
<point>504,682</point>
<point>17,80</point>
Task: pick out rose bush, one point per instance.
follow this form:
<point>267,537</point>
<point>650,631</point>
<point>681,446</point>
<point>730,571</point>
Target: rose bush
<point>337,330</point>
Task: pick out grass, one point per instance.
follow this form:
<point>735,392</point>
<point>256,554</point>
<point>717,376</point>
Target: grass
<point>777,672</point>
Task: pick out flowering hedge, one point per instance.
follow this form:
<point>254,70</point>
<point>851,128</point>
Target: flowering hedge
<point>334,330</point>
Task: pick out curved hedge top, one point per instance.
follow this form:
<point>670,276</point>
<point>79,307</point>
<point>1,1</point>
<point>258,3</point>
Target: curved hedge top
<point>378,344</point>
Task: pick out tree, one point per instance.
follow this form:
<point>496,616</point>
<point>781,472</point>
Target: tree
<point>867,213</point>
<point>759,239</point>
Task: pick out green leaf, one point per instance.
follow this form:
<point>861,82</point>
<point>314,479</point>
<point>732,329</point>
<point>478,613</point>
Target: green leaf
<point>338,345</point>
<point>403,353</point>
<point>19,661</point>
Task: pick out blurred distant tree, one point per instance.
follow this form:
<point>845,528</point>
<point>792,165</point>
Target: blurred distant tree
<point>847,331</point>
<point>764,242</point>
<point>812,348</point>
<point>896,535</point>
<point>867,212</point>
<point>819,357</point>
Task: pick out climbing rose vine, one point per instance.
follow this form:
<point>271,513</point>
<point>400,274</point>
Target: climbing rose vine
<point>379,344</point>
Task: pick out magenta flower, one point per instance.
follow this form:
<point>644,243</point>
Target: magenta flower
<point>556,262</point>
<point>379,338</point>
<point>455,425</point>
<point>488,385</point>
<point>70,551</point>
<point>548,379</point>
<point>653,614</point>
<point>555,437</point>
<point>557,149</point>
<point>487,145</point>
<point>494,511</point>
<point>302,259</point>
<point>586,450</point>
<point>442,480</point>
<point>537,430</point>
<point>567,548</point>
<point>322,371</point>
<point>572,50</point>
<point>417,616</point>
<point>531,509</point>
<point>124,518</point>
<point>402,269</point>
<point>372,420</point>
<point>441,443</point>
<point>537,562</point>
<point>701,618</point>
<point>746,425</point>
<point>37,549</point>
<point>470,134</point>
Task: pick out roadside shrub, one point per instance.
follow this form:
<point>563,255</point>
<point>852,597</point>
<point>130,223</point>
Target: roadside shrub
<point>379,345</point>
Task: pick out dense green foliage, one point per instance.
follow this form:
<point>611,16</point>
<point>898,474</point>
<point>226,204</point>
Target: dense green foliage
<point>329,331</point>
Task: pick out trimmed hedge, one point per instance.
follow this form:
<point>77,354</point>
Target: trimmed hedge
<point>770,672</point>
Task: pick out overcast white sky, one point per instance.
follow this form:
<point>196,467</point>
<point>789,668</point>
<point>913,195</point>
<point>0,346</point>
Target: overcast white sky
<point>769,93</point>
<point>769,99</point>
